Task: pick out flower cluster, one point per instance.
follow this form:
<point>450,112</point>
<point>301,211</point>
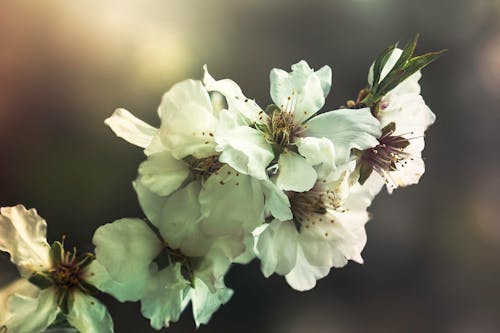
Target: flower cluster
<point>226,180</point>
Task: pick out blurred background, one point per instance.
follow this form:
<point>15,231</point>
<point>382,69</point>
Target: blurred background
<point>432,259</point>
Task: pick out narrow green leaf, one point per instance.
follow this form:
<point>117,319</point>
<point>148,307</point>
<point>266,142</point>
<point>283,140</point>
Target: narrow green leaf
<point>41,280</point>
<point>379,64</point>
<point>408,51</point>
<point>365,171</point>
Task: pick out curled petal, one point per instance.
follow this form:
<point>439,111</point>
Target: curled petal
<point>23,236</point>
<point>131,129</point>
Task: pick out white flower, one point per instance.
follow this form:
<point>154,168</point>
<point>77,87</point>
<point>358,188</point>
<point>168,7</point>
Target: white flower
<point>63,279</point>
<point>184,186</point>
<point>326,230</point>
<point>138,265</point>
<point>304,144</point>
<point>403,117</point>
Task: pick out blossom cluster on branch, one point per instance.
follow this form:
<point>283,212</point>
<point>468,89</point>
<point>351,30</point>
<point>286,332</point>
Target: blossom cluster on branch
<point>226,180</point>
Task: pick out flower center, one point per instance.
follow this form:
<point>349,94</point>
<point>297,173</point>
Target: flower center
<point>389,153</point>
<point>66,276</point>
<point>311,207</point>
<point>204,167</point>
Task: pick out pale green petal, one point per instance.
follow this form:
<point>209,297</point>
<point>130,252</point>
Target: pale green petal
<point>277,248</point>
<point>205,303</point>
<point>162,173</point>
<point>301,91</point>
<point>179,224</point>
<point>304,275</point>
<point>151,203</point>
<point>347,129</point>
<point>131,129</point>
<point>129,290</point>
<point>187,120</point>
<point>243,148</point>
<point>277,203</point>
<point>295,173</point>
<point>237,102</point>
<point>231,203</point>
<point>23,236</point>
<point>212,267</point>
<point>88,315</point>
<point>19,286</point>
<point>164,299</point>
<point>29,315</point>
<point>126,248</point>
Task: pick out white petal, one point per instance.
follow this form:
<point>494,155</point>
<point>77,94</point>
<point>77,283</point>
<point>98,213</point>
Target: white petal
<point>301,91</point>
<point>179,222</point>
<point>88,315</point>
<point>409,112</point>
<point>30,315</point>
<point>347,129</point>
<point>205,303</point>
<point>23,236</point>
<point>231,203</point>
<point>318,152</point>
<point>131,129</point>
<point>163,301</point>
<point>237,102</point>
<point>277,248</point>
<point>126,248</point>
<point>295,173</point>
<point>162,173</point>
<point>304,275</point>
<point>243,148</point>
<point>187,120</point>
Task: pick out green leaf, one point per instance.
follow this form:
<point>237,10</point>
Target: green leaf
<point>380,63</point>
<point>407,52</point>
<point>365,171</point>
<point>41,280</point>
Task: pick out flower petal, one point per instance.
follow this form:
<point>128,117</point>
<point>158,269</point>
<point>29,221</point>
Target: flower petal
<point>126,248</point>
<point>187,120</point>
<point>303,276</point>
<point>162,173</point>
<point>151,203</point>
<point>277,248</point>
<point>163,300</point>
<point>295,173</point>
<point>318,152</point>
<point>23,236</point>
<point>179,224</point>
<point>301,91</point>
<point>243,148</point>
<point>131,129</point>
<point>236,101</point>
<point>277,203</point>
<point>28,315</point>
<point>231,203</point>
<point>205,303</point>
<point>130,290</point>
<point>88,315</point>
<point>347,129</point>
